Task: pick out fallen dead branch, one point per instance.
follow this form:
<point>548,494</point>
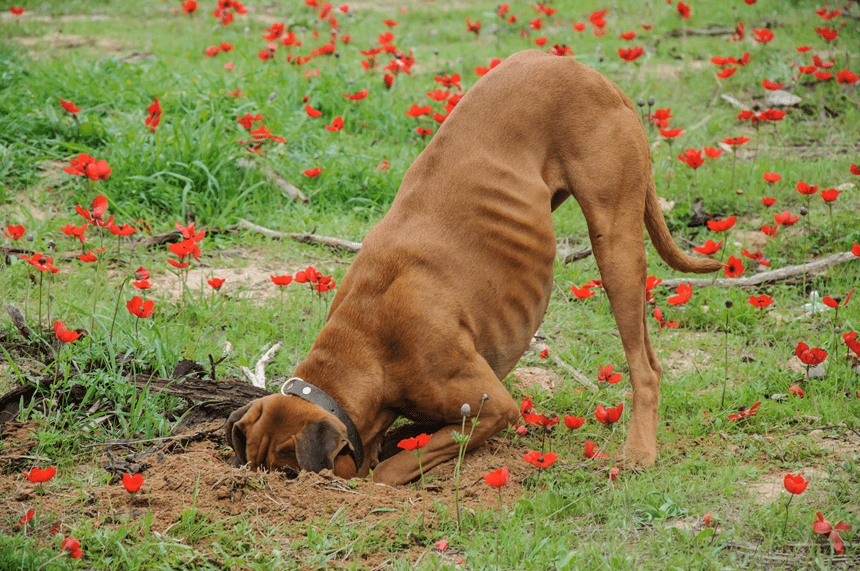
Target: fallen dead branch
<point>258,377</point>
<point>773,276</point>
<point>277,180</point>
<point>681,32</point>
<point>328,241</point>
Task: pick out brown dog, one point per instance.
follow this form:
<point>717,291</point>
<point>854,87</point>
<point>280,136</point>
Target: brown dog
<point>448,289</point>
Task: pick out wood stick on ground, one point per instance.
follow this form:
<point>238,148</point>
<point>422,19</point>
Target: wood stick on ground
<point>328,241</point>
<point>18,319</point>
<point>258,377</point>
<point>773,276</point>
<point>679,32</point>
<point>277,180</point>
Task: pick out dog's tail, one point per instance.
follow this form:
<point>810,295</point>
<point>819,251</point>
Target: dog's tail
<point>663,242</point>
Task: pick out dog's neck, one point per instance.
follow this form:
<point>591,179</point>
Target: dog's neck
<point>353,383</point>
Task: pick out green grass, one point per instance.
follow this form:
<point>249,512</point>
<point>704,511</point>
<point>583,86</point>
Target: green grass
<point>186,171</point>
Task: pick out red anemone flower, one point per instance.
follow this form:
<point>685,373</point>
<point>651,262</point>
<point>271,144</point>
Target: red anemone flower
<point>605,374</point>
<point>770,230</point>
<point>132,483</point>
<point>850,340</point>
<point>726,72</point>
<point>99,170</point>
<point>574,422</point>
<point>768,201</point>
<point>712,152</point>
<point>39,476</point>
<point>69,106</point>
<point>722,225</point>
<point>498,478</point>
<point>27,516</point>
<point>796,391</point>
<point>785,218</point>
<point>72,547</point>
<point>834,303</point>
<point>216,283</point>
<point>771,85</point>
<point>583,292</point>
<point>631,54</point>
<point>745,412</point>
<point>806,189</point>
<point>473,27</point>
<point>683,10</point>
<point>282,280</point>
<point>336,125</point>
<point>827,33</point>
<point>423,131</point>
<point>590,452</point>
<point>734,267</point>
<point>419,110</point>
<point>154,118</point>
<point>692,158</point>
<point>760,301</point>
<point>710,248</point>
<point>771,177</point>
<point>758,256</point>
<point>608,415</point>
<point>535,458</point>
<point>795,484</point>
<point>830,194</point>
<point>736,140</point>
<point>671,133</point>
<point>650,283</point>
<point>357,96</point>
<point>312,112</point>
<point>685,292</point>
<point>814,356</point>
<point>312,172</point>
<point>419,441</point>
<point>763,36</point>
<point>824,527</point>
<point>63,334</point>
<point>139,308</point>
<point>14,232</point>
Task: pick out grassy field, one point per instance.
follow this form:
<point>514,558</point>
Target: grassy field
<point>716,498</point>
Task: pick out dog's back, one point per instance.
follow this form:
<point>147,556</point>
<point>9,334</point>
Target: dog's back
<point>473,214</point>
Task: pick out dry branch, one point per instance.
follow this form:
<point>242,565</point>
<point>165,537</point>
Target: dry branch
<point>780,275</point>
<point>277,180</point>
<point>328,241</point>
<point>18,319</point>
<point>681,32</point>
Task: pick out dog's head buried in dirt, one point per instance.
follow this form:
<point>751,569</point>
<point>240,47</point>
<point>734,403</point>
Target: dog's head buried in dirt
<point>275,432</point>
<point>448,289</point>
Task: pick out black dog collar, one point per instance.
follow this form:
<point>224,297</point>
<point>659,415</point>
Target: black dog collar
<point>314,395</point>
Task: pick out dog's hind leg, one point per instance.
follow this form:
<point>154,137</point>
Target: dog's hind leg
<point>612,199</point>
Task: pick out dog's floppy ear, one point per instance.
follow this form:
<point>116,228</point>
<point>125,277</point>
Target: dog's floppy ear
<point>318,444</point>
<point>235,433</point>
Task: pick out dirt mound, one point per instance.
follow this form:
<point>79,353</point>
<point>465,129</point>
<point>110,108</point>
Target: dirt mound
<point>191,479</point>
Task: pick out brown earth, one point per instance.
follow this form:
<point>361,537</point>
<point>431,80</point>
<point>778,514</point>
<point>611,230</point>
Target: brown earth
<point>198,475</point>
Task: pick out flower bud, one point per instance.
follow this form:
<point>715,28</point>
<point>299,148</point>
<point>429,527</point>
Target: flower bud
<point>650,101</point>
<point>729,304</point>
<point>465,410</point>
<point>803,211</point>
<point>640,102</point>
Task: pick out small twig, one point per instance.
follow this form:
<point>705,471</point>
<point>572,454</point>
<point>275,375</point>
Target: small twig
<point>328,241</point>
<point>138,440</point>
<point>18,319</point>
<point>258,377</point>
<point>577,376</point>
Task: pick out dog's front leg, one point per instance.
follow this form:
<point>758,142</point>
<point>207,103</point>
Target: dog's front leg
<point>498,411</point>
